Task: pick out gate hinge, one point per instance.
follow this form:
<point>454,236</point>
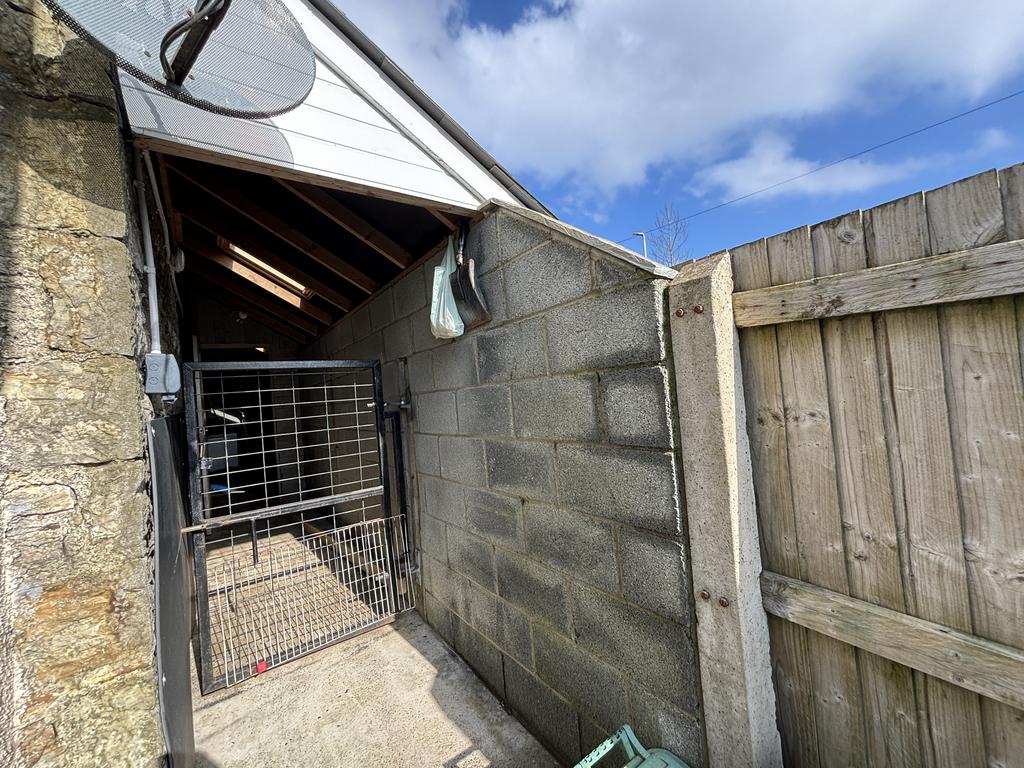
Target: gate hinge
<point>402,404</point>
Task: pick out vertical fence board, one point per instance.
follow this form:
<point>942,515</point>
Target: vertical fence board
<point>919,680</point>
<point>1011,185</point>
<point>815,496</point>
<point>987,408</point>
<point>766,428</point>
<point>922,446</point>
<point>966,214</point>
<point>986,401</point>
<point>865,495</point>
<point>1011,188</point>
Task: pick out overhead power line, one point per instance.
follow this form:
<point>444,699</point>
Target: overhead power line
<point>824,166</point>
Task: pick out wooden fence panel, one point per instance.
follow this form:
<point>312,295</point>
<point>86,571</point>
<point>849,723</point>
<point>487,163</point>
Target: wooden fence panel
<point>888,463</point>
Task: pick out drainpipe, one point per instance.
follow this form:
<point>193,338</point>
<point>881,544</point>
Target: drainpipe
<point>162,374</point>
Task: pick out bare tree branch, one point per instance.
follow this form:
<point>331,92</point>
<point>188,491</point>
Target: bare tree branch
<point>668,239</point>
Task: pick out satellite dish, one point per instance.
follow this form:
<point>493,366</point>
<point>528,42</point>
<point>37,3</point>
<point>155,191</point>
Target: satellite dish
<point>240,58</point>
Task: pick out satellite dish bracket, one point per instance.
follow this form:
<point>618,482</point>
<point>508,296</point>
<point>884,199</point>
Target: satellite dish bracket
<point>197,29</point>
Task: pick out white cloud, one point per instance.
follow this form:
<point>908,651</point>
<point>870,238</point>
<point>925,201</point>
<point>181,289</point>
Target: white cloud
<point>994,139</point>
<point>770,159</point>
<point>597,92</point>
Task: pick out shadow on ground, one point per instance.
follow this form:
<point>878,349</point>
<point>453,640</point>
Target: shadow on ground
<point>397,696</point>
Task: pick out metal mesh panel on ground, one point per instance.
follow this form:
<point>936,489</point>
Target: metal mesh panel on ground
<point>296,546</point>
<point>307,587</point>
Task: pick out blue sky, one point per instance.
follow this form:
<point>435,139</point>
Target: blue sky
<point>609,109</point>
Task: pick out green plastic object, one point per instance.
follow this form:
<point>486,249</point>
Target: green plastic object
<point>636,754</point>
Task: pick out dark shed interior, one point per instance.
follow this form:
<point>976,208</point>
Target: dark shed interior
<point>293,257</point>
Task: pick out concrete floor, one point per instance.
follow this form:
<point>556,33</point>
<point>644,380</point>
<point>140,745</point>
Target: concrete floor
<point>395,697</point>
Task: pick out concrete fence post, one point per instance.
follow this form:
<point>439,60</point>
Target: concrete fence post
<point>732,627</point>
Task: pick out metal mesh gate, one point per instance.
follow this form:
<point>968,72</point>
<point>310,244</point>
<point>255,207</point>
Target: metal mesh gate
<point>295,543</point>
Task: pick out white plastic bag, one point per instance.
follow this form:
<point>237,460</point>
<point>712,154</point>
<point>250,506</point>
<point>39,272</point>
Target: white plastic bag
<point>445,321</point>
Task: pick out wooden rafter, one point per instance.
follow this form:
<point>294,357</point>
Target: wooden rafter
<point>245,238</point>
<point>237,266</point>
<point>233,284</point>
<point>350,221</point>
<point>445,219</point>
<point>173,218</point>
<point>275,225</point>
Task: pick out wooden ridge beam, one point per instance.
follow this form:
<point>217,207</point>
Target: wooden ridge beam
<point>275,225</point>
<point>350,221</point>
<point>241,235</point>
<point>257,314</point>
<point>233,264</point>
<point>237,285</point>
<point>983,666</point>
<point>975,273</point>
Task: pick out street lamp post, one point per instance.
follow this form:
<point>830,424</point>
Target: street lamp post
<point>643,238</point>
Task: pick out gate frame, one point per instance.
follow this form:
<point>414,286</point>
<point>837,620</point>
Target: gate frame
<point>725,556</point>
<point>201,523</point>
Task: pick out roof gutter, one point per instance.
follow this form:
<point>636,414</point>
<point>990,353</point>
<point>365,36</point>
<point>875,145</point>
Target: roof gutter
<point>431,108</point>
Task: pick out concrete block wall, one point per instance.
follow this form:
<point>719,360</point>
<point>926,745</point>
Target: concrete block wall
<point>547,495</point>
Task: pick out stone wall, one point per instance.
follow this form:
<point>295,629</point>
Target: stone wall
<point>549,510</point>
<point>77,686</point>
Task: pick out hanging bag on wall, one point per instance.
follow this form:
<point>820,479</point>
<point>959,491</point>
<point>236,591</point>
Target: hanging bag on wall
<point>445,321</point>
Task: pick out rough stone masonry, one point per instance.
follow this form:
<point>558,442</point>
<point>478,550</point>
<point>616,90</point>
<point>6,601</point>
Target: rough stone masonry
<point>77,685</point>
<point>548,497</point>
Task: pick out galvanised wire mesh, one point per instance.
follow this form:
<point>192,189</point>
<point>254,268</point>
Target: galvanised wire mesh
<point>313,582</point>
<point>296,546</point>
<point>269,438</point>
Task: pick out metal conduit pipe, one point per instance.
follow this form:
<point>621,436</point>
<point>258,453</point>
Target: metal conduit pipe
<point>147,249</point>
<point>175,257</point>
<point>163,376</point>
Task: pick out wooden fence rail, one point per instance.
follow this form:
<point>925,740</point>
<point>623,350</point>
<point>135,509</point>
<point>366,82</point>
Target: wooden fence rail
<point>977,273</point>
<point>971,662</point>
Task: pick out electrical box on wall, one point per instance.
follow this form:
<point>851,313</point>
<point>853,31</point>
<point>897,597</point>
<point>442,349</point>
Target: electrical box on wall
<point>163,377</point>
